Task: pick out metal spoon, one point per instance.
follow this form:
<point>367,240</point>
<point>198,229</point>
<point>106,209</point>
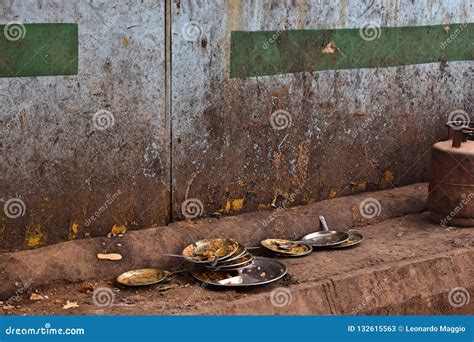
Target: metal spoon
<point>176,255</point>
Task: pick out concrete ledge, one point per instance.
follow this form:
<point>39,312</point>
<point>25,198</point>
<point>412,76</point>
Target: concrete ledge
<point>406,265</point>
<point>76,261</point>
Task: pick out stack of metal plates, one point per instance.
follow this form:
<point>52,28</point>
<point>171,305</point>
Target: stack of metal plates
<point>226,262</point>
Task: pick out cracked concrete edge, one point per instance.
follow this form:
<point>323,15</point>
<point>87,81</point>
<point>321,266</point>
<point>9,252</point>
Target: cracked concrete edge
<point>415,283</point>
<point>75,261</point>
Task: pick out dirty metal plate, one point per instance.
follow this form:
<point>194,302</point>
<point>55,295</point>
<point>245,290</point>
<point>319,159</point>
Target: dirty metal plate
<point>38,49</point>
<point>241,262</point>
<point>142,277</point>
<point>241,250</point>
<point>354,239</point>
<point>263,271</point>
<point>296,251</point>
<point>326,238</point>
<point>210,249</point>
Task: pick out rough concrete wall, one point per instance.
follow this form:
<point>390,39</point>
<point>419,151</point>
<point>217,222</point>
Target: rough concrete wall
<point>348,130</point>
<point>56,162</point>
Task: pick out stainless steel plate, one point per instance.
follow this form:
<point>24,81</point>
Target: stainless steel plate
<point>354,239</point>
<point>263,271</point>
<point>296,251</point>
<point>246,259</point>
<point>142,277</point>
<point>325,238</point>
<point>213,246</point>
<point>238,253</point>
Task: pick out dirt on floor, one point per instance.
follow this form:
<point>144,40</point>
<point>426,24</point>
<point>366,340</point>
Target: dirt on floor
<point>405,265</point>
<point>77,261</point>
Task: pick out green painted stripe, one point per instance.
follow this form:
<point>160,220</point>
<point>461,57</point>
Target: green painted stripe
<point>44,50</point>
<point>280,52</point>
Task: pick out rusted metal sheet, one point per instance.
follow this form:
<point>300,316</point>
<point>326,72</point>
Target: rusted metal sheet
<point>242,144</point>
<point>451,191</point>
<point>88,154</point>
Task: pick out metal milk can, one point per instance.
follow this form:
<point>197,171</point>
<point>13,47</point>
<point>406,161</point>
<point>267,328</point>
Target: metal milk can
<point>451,188</point>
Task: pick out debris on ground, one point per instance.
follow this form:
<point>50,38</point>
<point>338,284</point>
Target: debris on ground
<point>70,305</point>
<point>8,307</point>
<point>87,288</point>
<point>168,279</point>
<point>109,256</point>
<point>36,296</point>
<point>216,214</point>
<point>164,288</point>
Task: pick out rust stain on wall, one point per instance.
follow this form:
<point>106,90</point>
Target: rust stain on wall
<point>303,163</point>
<point>34,235</point>
<point>342,13</point>
<point>303,8</point>
<point>118,229</point>
<point>73,230</point>
<point>387,179</point>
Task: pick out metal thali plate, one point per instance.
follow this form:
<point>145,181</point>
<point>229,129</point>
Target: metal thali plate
<point>354,239</point>
<point>238,253</point>
<point>263,271</point>
<point>325,238</point>
<point>296,251</point>
<point>246,259</point>
<point>142,277</point>
<point>222,248</point>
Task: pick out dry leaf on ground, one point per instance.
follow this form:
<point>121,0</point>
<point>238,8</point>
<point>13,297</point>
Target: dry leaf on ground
<point>36,296</point>
<point>109,256</point>
<point>70,305</point>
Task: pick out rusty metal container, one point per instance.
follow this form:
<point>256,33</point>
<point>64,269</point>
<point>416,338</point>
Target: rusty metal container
<point>451,189</point>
